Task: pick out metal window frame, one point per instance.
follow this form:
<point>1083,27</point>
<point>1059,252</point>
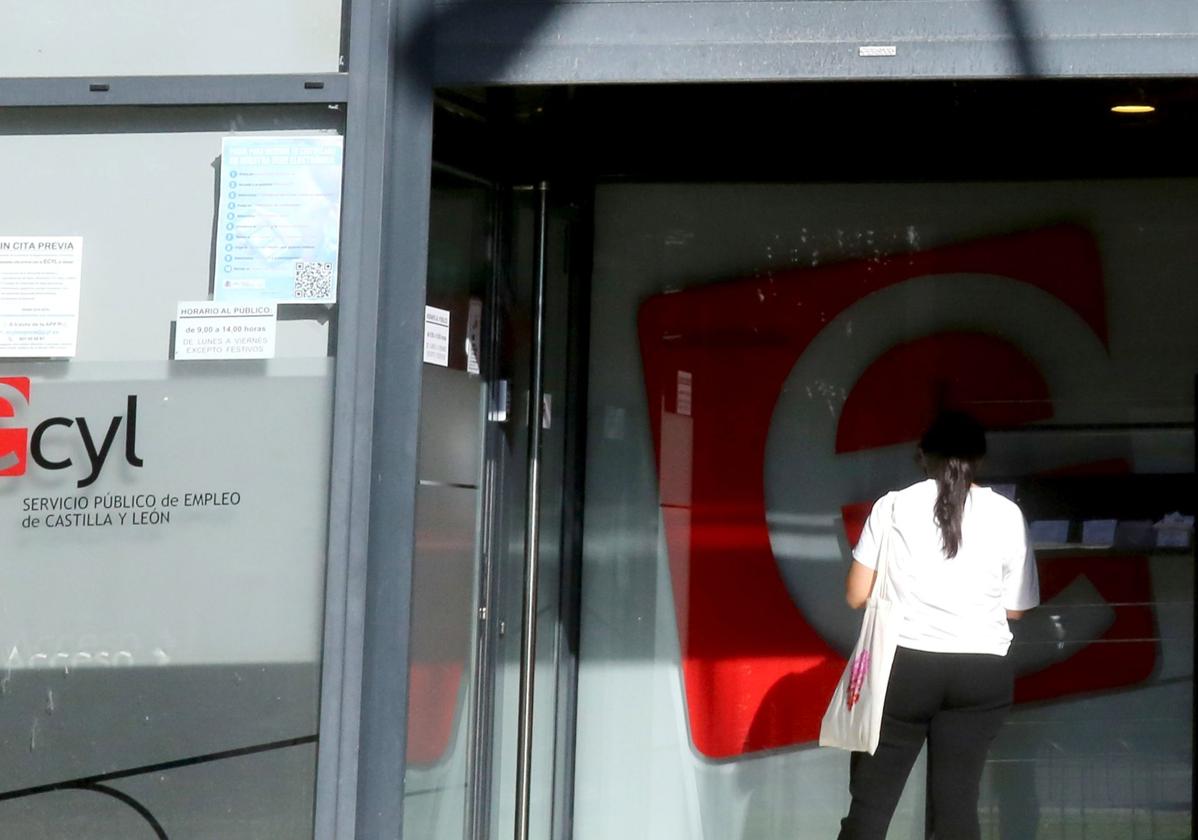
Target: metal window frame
<point>342,659</point>
<point>391,112</point>
<point>329,88</point>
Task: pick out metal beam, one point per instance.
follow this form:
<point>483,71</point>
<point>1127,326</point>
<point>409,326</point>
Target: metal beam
<point>336,794</point>
<point>741,40</point>
<point>318,88</point>
<point>361,765</point>
<point>397,97</point>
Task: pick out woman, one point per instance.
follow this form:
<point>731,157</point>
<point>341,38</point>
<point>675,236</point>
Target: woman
<point>960,567</point>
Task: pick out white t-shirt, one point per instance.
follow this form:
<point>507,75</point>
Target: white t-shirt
<point>955,605</point>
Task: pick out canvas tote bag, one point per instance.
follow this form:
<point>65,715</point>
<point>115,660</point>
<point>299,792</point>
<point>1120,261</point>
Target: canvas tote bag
<point>853,720</point>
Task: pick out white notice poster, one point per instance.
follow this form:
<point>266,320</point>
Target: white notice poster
<point>209,330</point>
<point>39,295</point>
<point>436,336</point>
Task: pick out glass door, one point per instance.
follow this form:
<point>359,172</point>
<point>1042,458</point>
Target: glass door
<point>530,680</point>
<point>485,743</point>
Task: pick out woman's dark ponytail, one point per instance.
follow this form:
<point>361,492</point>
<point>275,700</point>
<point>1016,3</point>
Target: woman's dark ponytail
<point>952,482</point>
<point>952,447</point>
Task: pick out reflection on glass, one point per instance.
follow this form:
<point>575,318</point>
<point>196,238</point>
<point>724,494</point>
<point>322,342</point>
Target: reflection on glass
<point>442,688</point>
<point>763,359</point>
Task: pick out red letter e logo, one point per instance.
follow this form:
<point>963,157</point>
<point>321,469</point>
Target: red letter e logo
<point>14,442</point>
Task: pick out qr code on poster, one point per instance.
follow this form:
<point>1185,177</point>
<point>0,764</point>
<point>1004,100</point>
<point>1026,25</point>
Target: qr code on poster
<point>314,280</point>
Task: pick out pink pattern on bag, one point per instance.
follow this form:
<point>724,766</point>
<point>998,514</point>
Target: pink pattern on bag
<point>857,677</point>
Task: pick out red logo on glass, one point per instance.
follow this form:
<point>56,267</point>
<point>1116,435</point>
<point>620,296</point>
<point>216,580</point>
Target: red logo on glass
<point>757,673</point>
<point>14,441</point>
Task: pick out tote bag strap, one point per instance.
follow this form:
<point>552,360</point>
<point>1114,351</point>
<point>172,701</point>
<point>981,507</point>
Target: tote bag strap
<point>882,584</point>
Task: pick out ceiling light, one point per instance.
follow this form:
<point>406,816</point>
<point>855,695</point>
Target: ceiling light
<point>1133,109</point>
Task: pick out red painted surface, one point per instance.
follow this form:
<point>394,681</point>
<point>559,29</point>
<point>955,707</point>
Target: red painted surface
<point>433,704</point>
<point>756,674</point>
<point>898,395</point>
<point>442,621</point>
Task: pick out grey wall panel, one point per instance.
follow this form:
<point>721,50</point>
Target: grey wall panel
<point>132,37</point>
<point>713,40</point>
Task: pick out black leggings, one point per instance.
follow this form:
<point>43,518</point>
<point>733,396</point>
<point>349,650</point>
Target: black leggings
<point>957,701</point>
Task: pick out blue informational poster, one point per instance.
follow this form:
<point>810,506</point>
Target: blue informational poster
<point>279,219</point>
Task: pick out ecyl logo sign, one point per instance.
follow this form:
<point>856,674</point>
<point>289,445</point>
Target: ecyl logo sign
<point>17,445</point>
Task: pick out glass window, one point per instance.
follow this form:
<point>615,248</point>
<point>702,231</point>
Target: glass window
<point>763,359</point>
<point>165,518</point>
<point>128,38</point>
